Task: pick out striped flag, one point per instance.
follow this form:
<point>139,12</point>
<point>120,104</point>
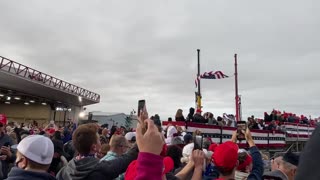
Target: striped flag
<point>210,75</point>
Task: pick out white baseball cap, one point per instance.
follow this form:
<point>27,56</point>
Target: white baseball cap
<point>130,135</point>
<point>37,148</point>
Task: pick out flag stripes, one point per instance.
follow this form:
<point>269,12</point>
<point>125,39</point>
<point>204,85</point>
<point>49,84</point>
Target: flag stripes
<point>210,75</point>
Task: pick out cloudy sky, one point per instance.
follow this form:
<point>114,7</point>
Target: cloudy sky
<point>128,50</point>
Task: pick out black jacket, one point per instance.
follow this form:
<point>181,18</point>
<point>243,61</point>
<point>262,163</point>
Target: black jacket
<point>20,174</point>
<point>308,168</point>
<point>197,118</point>
<point>91,169</point>
<point>6,140</point>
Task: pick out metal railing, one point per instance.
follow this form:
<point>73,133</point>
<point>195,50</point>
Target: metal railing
<point>40,77</point>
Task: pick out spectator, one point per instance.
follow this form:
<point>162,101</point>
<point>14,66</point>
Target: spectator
<point>206,143</point>
<point>255,125</point>
<point>198,118</point>
<point>245,165</point>
<point>157,121</point>
<point>272,126</point>
<point>308,168</point>
<point>57,136</point>
<point>104,150</point>
<point>169,119</point>
<point>179,115</point>
<point>190,115</point>
<point>188,139</point>
<point>275,163</point>
<point>212,120</point>
<point>175,152</point>
<point>105,133</point>
<point>210,172</point>
<point>186,153</point>
<point>56,163</point>
<point>103,140</point>
<point>86,166</point>
<point>287,168</point>
<point>225,158</point>
<point>33,161</point>
<point>261,124</point>
<point>177,141</point>
<point>69,149</point>
<point>7,155</point>
<point>118,146</point>
<point>131,138</point>
<point>267,118</point>
<point>220,121</point>
<point>171,130</point>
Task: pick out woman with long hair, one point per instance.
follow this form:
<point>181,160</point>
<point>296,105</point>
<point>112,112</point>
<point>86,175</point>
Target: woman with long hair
<point>179,115</point>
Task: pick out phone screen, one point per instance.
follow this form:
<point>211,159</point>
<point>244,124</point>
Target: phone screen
<point>198,142</point>
<point>141,106</point>
<point>241,126</point>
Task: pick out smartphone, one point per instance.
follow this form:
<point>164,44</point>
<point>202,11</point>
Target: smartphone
<point>7,144</point>
<point>197,142</point>
<point>141,106</point>
<point>241,126</point>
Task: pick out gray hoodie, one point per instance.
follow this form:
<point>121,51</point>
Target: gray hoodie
<point>91,169</point>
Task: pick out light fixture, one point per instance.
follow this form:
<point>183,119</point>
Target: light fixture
<point>7,102</point>
<point>1,95</point>
<point>80,99</point>
<point>82,114</point>
<point>8,98</point>
<point>44,103</point>
<point>69,109</point>
<point>17,98</point>
<point>32,101</point>
<point>26,103</point>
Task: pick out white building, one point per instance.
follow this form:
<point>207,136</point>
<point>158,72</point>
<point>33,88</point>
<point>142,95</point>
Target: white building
<point>114,119</point>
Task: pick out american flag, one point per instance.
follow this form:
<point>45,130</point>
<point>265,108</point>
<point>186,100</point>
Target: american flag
<point>210,75</point>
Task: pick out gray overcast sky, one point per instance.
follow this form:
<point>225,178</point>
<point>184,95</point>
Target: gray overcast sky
<point>127,50</point>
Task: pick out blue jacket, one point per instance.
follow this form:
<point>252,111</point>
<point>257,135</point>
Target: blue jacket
<point>257,168</point>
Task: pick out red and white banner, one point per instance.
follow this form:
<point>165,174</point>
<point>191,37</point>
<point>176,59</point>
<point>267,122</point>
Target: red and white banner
<point>262,138</point>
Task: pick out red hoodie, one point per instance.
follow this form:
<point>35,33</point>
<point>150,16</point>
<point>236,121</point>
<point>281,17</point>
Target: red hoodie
<point>149,167</point>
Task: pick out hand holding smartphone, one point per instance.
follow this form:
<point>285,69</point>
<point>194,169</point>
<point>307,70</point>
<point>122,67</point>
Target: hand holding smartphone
<point>142,114</point>
<point>241,127</point>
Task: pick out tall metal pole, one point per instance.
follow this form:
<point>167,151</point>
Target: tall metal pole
<point>236,86</point>
<point>199,88</point>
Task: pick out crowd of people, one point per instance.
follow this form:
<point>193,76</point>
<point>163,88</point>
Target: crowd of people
<point>93,151</point>
<point>270,122</point>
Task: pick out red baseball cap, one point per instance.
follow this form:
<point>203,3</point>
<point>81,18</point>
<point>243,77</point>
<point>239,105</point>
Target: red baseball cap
<point>226,155</point>
<point>51,131</point>
<point>213,146</point>
<point>245,163</point>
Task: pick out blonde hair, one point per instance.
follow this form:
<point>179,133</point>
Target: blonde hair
<point>117,141</point>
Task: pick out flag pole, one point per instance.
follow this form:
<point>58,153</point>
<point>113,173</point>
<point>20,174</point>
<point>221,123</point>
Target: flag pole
<point>198,100</point>
<point>236,87</point>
